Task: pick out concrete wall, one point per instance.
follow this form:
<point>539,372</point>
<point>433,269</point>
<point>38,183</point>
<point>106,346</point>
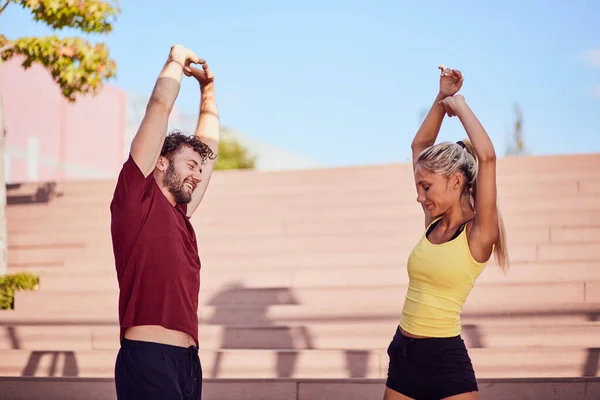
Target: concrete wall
<point>48,138</point>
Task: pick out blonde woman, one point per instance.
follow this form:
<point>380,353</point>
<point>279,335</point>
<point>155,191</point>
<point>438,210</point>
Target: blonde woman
<point>456,186</point>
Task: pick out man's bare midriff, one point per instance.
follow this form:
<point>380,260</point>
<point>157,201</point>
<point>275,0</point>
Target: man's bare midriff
<point>159,334</point>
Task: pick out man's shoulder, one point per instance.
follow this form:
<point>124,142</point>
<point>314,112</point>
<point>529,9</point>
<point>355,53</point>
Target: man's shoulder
<point>131,173</point>
<point>132,187</point>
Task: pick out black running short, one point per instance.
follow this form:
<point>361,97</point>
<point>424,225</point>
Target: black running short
<point>146,370</point>
<point>430,368</point>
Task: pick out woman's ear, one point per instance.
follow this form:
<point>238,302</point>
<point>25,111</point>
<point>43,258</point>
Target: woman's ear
<point>457,180</point>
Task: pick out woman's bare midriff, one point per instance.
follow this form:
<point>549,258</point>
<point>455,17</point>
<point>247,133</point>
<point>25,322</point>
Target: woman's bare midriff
<point>159,334</point>
<point>410,335</point>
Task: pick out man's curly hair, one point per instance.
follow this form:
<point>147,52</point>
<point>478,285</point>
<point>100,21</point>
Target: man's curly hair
<point>175,140</point>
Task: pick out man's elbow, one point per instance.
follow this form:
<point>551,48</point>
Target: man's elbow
<point>158,104</point>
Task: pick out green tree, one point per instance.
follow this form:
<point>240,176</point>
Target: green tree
<point>516,146</point>
<point>232,155</point>
<point>76,65</point>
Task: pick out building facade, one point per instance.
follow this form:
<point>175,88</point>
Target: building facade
<point>48,138</point>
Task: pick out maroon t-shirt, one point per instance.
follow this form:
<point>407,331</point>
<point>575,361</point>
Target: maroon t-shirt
<point>156,256</point>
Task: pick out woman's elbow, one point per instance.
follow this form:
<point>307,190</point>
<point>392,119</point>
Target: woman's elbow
<point>487,157</point>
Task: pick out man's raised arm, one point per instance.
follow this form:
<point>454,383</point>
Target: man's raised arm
<point>208,129</point>
<point>148,141</point>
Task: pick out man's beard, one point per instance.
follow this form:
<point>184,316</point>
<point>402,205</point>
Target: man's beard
<point>174,184</point>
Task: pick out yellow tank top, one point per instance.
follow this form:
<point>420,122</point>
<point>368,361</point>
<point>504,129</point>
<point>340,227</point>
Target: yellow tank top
<point>441,277</point>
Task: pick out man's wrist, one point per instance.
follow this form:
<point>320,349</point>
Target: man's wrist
<point>207,93</point>
<point>209,109</point>
<point>208,105</point>
<point>208,89</point>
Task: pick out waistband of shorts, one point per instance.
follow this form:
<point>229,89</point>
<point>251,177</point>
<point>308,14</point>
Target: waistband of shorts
<point>158,347</point>
<point>428,339</point>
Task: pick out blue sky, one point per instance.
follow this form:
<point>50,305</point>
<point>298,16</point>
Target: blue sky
<point>345,82</point>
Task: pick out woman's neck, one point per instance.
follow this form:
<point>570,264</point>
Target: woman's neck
<point>456,216</point>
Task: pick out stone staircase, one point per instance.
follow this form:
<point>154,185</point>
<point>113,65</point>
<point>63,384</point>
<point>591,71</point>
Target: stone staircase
<point>303,279</point>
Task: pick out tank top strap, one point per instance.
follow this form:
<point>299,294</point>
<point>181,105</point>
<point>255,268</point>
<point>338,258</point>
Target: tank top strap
<point>434,223</point>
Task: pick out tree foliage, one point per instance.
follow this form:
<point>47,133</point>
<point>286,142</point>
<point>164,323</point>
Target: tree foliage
<point>232,155</point>
<point>9,284</point>
<point>76,65</point>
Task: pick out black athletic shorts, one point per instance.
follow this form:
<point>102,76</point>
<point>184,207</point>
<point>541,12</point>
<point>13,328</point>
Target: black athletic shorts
<point>146,370</point>
<point>430,368</point>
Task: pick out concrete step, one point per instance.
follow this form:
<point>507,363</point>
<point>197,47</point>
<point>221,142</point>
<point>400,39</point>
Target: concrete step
<point>558,168</point>
<point>32,256</point>
<point>400,233</point>
<point>392,216</point>
<point>26,388</point>
<point>309,253</point>
<point>52,255</point>
<point>392,206</point>
<point>591,186</point>
<point>472,311</point>
<point>75,279</point>
<point>275,246</point>
<point>291,235</point>
<point>510,169</point>
<point>317,195</point>
<point>320,195</point>
<point>49,225</point>
<point>397,234</point>
<point>340,254</point>
<point>522,315</point>
<point>325,249</point>
<point>59,237</point>
<point>369,298</point>
<point>264,364</point>
<point>551,333</point>
<point>299,235</point>
<point>313,223</point>
<point>306,223</point>
<point>553,167</point>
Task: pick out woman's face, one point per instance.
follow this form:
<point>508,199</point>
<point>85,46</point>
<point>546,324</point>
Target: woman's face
<point>436,193</point>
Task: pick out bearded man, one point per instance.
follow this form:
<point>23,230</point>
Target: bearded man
<point>156,255</point>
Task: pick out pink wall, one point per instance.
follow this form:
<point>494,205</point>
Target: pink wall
<point>49,138</point>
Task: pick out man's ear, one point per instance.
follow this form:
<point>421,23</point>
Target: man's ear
<point>162,163</point>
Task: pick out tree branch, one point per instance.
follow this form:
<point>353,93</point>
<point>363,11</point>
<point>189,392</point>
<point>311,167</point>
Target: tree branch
<point>90,16</point>
<point>4,6</point>
<point>75,64</point>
